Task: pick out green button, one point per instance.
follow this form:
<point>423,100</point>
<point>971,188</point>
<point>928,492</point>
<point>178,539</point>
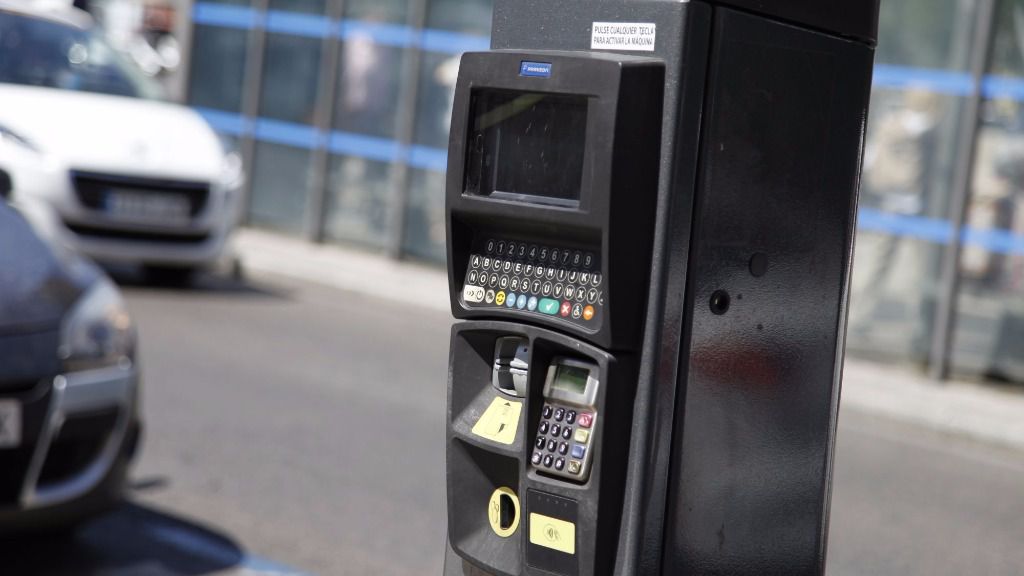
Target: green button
<point>548,306</point>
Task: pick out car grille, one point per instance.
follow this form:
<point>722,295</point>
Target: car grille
<point>78,444</point>
<point>92,188</point>
<point>142,235</point>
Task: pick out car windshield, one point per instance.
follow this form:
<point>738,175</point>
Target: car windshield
<point>38,52</point>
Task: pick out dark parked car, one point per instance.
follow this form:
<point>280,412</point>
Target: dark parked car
<point>69,384</point>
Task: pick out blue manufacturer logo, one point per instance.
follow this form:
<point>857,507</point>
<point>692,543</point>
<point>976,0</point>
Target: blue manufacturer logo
<point>536,69</point>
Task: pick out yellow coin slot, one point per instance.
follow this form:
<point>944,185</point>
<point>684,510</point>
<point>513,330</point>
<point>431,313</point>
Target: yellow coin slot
<point>552,533</point>
<point>500,421</point>
<point>503,512</point>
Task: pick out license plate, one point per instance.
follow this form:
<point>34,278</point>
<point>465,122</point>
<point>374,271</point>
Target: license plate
<point>158,208</point>
<point>10,424</point>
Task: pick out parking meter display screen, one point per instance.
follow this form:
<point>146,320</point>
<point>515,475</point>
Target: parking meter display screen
<point>526,146</point>
<point>571,379</point>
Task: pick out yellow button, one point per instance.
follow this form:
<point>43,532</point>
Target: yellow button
<point>499,298</point>
<point>581,435</point>
<point>552,533</point>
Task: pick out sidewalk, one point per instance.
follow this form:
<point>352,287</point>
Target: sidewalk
<point>977,411</point>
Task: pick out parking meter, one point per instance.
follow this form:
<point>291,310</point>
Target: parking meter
<point>650,210</point>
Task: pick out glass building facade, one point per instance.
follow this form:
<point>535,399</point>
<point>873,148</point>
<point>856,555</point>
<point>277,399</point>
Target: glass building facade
<point>341,108</point>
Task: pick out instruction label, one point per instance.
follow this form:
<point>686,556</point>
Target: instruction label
<point>500,421</point>
<point>552,533</point>
<point>623,36</point>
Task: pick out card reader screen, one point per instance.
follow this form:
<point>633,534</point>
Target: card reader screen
<point>527,146</point>
<point>571,379</point>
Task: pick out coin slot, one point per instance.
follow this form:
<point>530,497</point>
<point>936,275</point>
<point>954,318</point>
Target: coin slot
<point>503,512</point>
<point>508,513</point>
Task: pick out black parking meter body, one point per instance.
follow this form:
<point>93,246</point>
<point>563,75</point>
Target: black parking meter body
<point>650,211</point>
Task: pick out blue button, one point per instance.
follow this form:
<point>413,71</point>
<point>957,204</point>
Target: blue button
<point>510,300</point>
<point>549,306</point>
<point>578,451</point>
<point>521,301</point>
<point>531,304</point>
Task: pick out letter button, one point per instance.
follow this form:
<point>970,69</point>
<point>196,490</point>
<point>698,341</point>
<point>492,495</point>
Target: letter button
<point>573,276</point>
<point>539,271</point>
<point>519,267</point>
<point>506,266</point>
<point>514,283</point>
<point>596,279</point>
<point>592,296</point>
<point>472,276</point>
<point>503,283</point>
<point>475,261</point>
<point>487,263</point>
<point>562,274</point>
<point>550,273</point>
<point>546,288</point>
<point>529,269</point>
<point>557,291</point>
<point>536,287</point>
<point>570,291</point>
<point>585,278</point>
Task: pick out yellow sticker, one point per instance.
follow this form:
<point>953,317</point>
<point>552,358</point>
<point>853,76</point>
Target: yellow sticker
<point>552,533</point>
<point>500,421</point>
<point>503,500</point>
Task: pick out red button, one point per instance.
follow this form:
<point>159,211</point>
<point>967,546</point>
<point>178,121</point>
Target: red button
<point>586,420</point>
<point>566,308</point>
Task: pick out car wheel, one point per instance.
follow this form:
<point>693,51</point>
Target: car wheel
<point>170,275</point>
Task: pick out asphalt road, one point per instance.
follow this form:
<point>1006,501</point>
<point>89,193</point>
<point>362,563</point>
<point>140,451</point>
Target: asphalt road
<point>297,429</point>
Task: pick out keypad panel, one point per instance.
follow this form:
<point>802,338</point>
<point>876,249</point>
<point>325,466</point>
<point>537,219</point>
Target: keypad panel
<point>535,278</point>
<point>563,445</point>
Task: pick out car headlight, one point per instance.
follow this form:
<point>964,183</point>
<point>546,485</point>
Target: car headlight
<point>98,332</point>
<point>8,135</point>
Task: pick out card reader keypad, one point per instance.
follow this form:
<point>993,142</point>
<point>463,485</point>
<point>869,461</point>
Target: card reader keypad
<point>563,444</point>
<point>534,278</point>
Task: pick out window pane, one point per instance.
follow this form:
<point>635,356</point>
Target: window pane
<point>291,70</point>
<point>357,201</point>
<point>390,11</point>
<point>370,77</point>
<point>905,195</point>
<point>280,187</point>
<point>307,6</point>
<point>1008,39</point>
<point>438,74</point>
<point>424,219</point>
<point>925,33</point>
<point>218,68</point>
<point>466,16</point>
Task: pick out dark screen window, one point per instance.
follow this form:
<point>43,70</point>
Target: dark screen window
<point>526,146</point>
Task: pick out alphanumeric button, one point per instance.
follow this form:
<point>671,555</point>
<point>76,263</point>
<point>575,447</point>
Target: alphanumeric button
<point>514,283</point>
<point>595,279</point>
<point>518,267</point>
<point>472,277</point>
<point>522,251</point>
<point>511,249</point>
<point>546,288</point>
<point>569,292</point>
<point>503,282</point>
<point>559,464</point>
<point>548,460</point>
<point>556,291</point>
<point>567,432</point>
<point>535,287</point>
<point>577,258</point>
<point>559,414</point>
<point>581,294</point>
<point>574,275</point>
<point>497,265</point>
<point>550,274</point>
<point>536,458</point>
<point>570,417</point>
<point>528,269</point>
<point>540,442</point>
<point>588,260</point>
<point>506,266</point>
<point>555,254</point>
<point>493,280</point>
<point>500,249</point>
<point>475,261</point>
<point>584,277</point>
<point>490,246</point>
<point>562,274</point>
<point>487,263</point>
<point>546,412</point>
<point>563,448</point>
<point>556,430</point>
<point>592,296</point>
<point>543,428</point>
<point>532,252</point>
<point>552,445</point>
<point>542,254</point>
<point>539,272</point>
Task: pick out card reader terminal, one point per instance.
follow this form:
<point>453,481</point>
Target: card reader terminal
<point>564,443</point>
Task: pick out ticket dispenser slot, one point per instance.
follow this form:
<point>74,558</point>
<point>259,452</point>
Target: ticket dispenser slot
<point>511,365</point>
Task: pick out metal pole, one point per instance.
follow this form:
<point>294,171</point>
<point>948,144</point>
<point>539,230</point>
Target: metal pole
<point>963,177</point>
<point>406,131</point>
<point>251,100</point>
<point>323,117</point>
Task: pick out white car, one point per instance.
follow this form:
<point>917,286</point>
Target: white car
<point>97,161</point>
